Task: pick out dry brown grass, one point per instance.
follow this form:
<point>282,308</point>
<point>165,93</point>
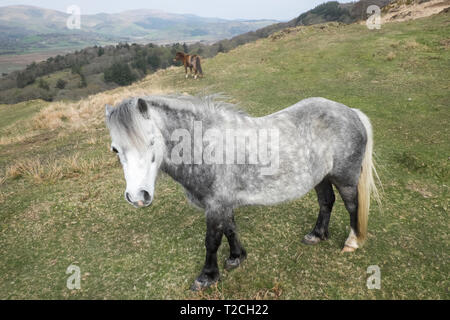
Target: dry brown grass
<point>16,132</point>
<point>403,10</point>
<point>51,170</point>
<point>92,140</point>
<point>90,111</point>
<point>353,76</point>
<point>216,294</point>
<point>79,115</point>
<point>5,140</point>
<point>75,165</point>
<point>2,197</point>
<point>412,44</point>
<point>390,56</point>
<point>274,293</point>
<point>34,169</point>
<point>445,43</point>
<point>421,188</point>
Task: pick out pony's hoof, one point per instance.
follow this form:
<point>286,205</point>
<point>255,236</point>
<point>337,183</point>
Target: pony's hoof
<point>348,249</point>
<point>311,239</point>
<point>231,264</point>
<point>203,282</point>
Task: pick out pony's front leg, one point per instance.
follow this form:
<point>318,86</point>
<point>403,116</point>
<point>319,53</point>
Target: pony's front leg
<point>195,73</point>
<point>214,232</point>
<point>186,71</point>
<point>237,252</point>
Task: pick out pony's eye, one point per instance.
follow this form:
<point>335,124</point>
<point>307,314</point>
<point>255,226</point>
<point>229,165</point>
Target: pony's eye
<point>114,150</point>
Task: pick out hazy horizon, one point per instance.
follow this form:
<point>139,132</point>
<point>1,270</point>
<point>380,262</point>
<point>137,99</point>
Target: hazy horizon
<point>282,10</point>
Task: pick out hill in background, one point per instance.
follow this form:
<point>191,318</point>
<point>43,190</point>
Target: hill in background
<point>326,12</point>
<point>28,29</point>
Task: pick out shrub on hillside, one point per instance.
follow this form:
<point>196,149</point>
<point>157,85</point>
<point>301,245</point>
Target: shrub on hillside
<point>119,73</point>
<point>100,52</point>
<point>43,84</point>
<point>83,82</point>
<point>154,61</point>
<point>24,78</point>
<point>61,84</point>
<point>329,11</point>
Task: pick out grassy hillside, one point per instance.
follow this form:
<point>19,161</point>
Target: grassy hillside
<point>61,191</point>
<point>330,11</point>
<point>23,85</point>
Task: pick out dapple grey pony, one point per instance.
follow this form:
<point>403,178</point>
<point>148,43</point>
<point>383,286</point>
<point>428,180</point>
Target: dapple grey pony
<point>319,143</point>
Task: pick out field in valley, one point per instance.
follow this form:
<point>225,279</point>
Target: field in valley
<point>61,190</point>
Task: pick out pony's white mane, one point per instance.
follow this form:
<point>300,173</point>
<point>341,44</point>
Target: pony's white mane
<point>205,104</point>
<point>127,124</point>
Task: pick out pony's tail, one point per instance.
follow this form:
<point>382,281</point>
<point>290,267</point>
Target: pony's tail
<point>199,65</point>
<point>366,184</point>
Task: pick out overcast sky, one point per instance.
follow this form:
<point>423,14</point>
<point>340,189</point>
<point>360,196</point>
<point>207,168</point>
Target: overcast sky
<point>228,9</point>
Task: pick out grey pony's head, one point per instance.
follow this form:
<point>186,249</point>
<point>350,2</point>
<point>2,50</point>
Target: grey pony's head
<point>138,144</point>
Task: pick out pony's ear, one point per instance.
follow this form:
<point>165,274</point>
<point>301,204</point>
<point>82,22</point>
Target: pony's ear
<point>108,110</point>
<point>143,108</point>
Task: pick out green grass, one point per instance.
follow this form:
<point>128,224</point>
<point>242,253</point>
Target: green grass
<point>10,114</point>
<point>81,217</point>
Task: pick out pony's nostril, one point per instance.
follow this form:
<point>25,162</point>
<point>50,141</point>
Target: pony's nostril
<point>147,197</point>
<point>127,195</point>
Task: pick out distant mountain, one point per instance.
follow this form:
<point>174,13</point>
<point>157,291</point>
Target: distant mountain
<point>28,28</point>
<point>326,12</point>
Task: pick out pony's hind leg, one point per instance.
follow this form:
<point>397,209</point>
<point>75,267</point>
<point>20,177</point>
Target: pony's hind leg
<point>350,196</point>
<point>326,198</point>
<point>237,252</point>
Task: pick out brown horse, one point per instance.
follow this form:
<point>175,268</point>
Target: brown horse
<point>190,62</point>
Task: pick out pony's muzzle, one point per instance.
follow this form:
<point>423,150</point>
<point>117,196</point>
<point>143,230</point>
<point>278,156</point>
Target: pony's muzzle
<point>142,199</point>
